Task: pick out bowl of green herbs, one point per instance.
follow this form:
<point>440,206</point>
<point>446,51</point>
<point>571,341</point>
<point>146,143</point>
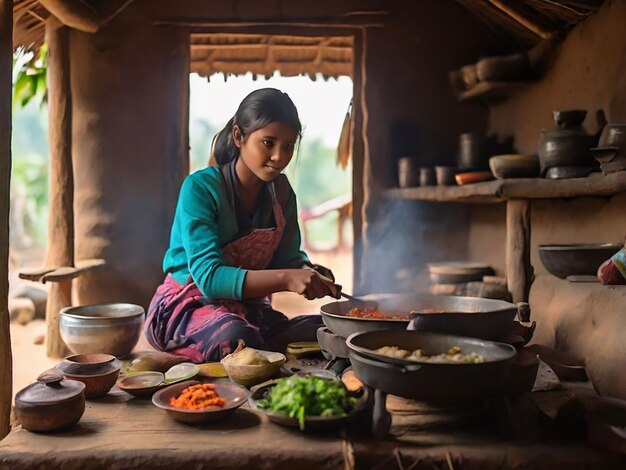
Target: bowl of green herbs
<point>309,403</point>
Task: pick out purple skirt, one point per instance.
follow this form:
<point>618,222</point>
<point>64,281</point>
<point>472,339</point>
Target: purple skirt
<point>181,320</point>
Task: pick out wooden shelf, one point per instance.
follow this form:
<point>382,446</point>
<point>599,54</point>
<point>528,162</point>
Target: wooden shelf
<point>492,91</point>
<point>595,184</point>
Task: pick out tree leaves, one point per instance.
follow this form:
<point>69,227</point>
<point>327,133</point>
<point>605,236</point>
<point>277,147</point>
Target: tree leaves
<point>30,78</point>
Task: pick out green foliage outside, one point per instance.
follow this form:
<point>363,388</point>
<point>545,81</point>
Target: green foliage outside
<point>29,172</point>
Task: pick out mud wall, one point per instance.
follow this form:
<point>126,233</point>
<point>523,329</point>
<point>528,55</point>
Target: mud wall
<point>585,320</point>
<point>130,97</point>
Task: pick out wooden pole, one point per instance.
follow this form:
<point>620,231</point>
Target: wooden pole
<point>519,272</point>
<point>6,65</point>
<point>60,250</point>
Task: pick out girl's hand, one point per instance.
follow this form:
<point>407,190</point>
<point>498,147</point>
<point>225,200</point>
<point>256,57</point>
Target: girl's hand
<point>310,284</point>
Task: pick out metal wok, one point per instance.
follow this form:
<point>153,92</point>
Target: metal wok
<point>466,316</point>
<point>429,381</point>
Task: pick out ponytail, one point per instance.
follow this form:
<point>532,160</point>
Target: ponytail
<point>223,148</point>
<point>256,111</point>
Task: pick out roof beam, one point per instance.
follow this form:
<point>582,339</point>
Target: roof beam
<point>536,29</point>
<point>80,15</point>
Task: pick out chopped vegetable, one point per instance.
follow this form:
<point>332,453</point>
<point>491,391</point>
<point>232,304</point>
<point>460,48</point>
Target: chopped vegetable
<point>197,397</point>
<point>298,397</point>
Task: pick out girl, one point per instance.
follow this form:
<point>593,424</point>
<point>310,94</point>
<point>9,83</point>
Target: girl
<point>235,240</point>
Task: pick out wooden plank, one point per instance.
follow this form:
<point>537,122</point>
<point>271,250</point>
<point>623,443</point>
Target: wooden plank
<point>66,273</point>
<point>595,185</point>
<point>6,65</point>
<point>60,250</point>
<point>358,151</point>
<point>518,268</point>
<point>35,274</point>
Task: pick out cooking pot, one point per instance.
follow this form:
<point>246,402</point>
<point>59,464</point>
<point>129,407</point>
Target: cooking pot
<point>569,144</point>
<point>467,316</point>
<point>51,403</point>
<point>611,149</point>
<point>441,383</point>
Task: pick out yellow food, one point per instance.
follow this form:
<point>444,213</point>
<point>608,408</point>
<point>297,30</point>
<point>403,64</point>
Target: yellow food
<point>247,357</point>
<point>453,356</point>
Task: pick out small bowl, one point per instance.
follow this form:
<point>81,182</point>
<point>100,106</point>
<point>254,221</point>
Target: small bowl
<point>96,385</point>
<point>97,371</point>
<point>569,117</point>
<point>235,396</point>
<point>142,384</point>
<point>249,375</point>
<point>514,166</point>
<point>523,372</point>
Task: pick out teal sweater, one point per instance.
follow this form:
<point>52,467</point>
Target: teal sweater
<point>205,221</point>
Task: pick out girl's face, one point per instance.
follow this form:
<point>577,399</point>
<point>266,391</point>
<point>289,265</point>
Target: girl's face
<point>265,152</point>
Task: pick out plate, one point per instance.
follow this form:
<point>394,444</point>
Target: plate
<point>311,423</point>
<point>235,396</point>
<point>142,384</point>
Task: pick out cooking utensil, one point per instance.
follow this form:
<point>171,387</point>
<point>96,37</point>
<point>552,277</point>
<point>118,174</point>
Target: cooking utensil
<point>611,150</point>
<point>311,423</point>
<point>576,259</point>
<point>335,318</point>
<point>97,371</point>
<point>427,381</point>
<point>51,403</point>
<point>466,316</point>
<point>514,166</point>
<point>234,395</point>
<point>102,328</point>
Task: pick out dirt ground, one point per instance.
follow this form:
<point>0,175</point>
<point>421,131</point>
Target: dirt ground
<point>29,359</point>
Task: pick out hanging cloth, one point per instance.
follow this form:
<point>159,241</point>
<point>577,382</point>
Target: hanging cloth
<point>344,149</point>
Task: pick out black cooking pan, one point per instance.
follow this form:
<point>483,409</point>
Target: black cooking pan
<point>433,382</point>
<point>465,316</point>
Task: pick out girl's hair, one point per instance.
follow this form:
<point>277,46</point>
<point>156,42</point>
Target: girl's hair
<point>256,111</point>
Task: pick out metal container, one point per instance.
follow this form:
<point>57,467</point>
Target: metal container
<point>430,381</point>
<point>611,150</point>
<point>467,316</point>
<point>427,177</point>
<point>111,328</point>
<point>51,403</point>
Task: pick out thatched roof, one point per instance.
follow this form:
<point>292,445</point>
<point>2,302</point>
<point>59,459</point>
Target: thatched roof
<point>516,24</point>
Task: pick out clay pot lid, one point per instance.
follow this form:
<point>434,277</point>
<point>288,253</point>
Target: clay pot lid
<point>87,365</point>
<point>50,388</point>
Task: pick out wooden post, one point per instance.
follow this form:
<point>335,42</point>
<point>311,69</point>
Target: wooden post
<point>60,250</point>
<point>6,65</point>
<point>519,272</point>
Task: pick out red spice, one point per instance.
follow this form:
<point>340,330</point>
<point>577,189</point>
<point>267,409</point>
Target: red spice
<point>197,397</point>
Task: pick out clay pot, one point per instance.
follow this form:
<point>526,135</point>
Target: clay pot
<point>51,403</point>
<point>514,166</point>
<point>611,149</point>
<point>445,175</point>
<point>569,144</point>
<point>98,372</point>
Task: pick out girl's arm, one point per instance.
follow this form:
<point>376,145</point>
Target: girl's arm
<point>306,282</point>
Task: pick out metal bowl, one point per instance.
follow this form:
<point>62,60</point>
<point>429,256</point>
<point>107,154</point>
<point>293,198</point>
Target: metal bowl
<point>577,259</point>
<point>111,328</point>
